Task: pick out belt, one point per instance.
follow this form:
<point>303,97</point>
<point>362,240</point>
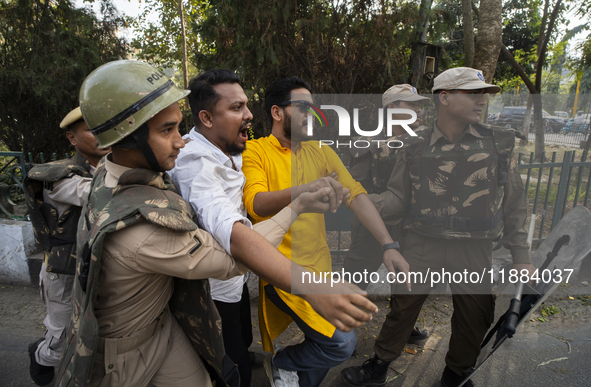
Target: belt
<point>125,344</point>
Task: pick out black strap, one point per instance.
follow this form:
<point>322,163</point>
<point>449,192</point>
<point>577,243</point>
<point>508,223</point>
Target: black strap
<point>458,223</point>
<point>85,256</point>
<point>136,107</point>
<point>141,138</point>
<point>56,241</point>
<point>503,169</point>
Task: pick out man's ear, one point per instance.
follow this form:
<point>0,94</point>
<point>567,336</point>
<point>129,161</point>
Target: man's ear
<point>206,118</point>
<point>443,98</point>
<point>276,113</point>
<point>71,137</point>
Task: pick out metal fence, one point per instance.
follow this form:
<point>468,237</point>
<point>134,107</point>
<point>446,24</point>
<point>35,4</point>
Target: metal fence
<point>13,170</point>
<point>556,184</point>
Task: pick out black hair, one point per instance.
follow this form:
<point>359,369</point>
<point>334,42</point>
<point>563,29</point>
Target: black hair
<point>74,126</point>
<point>203,96</point>
<point>436,100</point>
<point>280,91</point>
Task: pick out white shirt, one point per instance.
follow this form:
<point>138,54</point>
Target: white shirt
<point>205,178</point>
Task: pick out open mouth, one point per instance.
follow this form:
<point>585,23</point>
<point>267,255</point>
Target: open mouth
<point>243,134</point>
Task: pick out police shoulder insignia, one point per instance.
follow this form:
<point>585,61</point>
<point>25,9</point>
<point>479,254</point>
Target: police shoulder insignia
<point>198,244</point>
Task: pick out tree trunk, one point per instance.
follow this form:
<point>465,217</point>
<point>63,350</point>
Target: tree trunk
<point>490,32</point>
<point>421,28</point>
<point>539,127</point>
<point>184,45</point>
<point>527,117</point>
<point>538,119</point>
<point>468,33</point>
<point>423,24</point>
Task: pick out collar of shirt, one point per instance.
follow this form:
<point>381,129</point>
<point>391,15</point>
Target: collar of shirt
<point>92,170</point>
<point>277,144</point>
<point>437,133</point>
<point>200,139</point>
<point>114,171</point>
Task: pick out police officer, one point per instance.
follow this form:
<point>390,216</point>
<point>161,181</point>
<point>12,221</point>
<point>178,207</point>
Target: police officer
<point>459,186</point>
<point>55,193</point>
<point>137,233</point>
<point>372,167</point>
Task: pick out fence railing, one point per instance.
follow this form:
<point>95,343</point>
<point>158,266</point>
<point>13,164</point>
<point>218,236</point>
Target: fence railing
<point>13,170</point>
<point>569,139</point>
<point>554,186</point>
<point>12,174</point>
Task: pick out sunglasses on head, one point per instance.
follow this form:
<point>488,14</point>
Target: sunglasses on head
<point>304,106</point>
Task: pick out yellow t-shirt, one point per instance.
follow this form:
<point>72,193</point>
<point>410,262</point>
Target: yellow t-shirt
<point>268,167</point>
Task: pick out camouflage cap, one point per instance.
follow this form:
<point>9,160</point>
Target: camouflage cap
<point>402,93</point>
<point>73,116</point>
<point>463,78</point>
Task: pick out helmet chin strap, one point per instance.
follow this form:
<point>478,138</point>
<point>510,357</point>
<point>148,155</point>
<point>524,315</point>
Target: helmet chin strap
<point>139,139</point>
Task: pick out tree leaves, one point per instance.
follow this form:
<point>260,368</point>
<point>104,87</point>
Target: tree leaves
<point>47,49</point>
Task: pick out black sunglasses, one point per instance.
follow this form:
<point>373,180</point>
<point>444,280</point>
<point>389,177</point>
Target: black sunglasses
<point>304,106</point>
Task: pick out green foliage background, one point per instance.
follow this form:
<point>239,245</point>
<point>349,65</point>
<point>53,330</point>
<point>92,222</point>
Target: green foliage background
<point>359,46</point>
<point>47,48</point>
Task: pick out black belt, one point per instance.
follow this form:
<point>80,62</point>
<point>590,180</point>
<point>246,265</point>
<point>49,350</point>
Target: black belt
<point>458,223</point>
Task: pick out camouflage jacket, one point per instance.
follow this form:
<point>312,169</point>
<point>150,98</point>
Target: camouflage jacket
<point>372,166</point>
<point>55,235</point>
<point>140,194</point>
<point>457,190</point>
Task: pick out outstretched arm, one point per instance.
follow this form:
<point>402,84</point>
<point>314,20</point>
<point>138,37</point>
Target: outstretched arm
<point>370,218</point>
<point>342,310</point>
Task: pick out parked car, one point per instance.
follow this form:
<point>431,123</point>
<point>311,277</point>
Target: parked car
<point>561,114</point>
<point>514,116</point>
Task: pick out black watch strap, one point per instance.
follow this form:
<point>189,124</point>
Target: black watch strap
<point>389,246</point>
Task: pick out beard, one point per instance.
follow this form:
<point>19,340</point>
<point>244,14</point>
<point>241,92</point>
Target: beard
<point>287,130</point>
<point>236,148</point>
<point>287,126</point>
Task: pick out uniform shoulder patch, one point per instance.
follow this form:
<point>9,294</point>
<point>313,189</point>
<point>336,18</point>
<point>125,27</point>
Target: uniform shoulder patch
<point>197,245</point>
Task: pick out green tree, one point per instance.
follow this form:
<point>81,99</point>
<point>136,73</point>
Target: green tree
<point>160,42</point>
<point>359,46</point>
<point>47,48</point>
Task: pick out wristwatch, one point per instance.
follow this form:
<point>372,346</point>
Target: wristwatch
<point>388,246</point>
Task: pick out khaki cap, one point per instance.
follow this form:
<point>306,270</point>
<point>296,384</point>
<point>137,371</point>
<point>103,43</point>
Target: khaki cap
<point>402,93</point>
<point>73,116</point>
<point>463,78</point>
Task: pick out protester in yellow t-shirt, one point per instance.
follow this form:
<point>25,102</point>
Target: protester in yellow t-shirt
<point>274,175</point>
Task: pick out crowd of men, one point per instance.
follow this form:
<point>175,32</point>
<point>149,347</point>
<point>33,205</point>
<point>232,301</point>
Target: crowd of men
<point>149,236</point>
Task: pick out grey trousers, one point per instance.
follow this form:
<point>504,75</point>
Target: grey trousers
<point>56,292</point>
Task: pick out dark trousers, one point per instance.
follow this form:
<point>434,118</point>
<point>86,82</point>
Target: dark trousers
<point>237,333</point>
<point>473,304</point>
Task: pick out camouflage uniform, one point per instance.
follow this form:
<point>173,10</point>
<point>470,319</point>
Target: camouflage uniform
<point>137,234</point>
<point>147,199</point>
<point>55,224</point>
<point>457,198</point>
<point>371,167</point>
<point>55,233</point>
